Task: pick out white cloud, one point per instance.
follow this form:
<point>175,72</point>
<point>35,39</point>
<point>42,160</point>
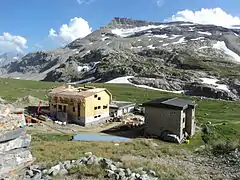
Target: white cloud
<point>77,28</point>
<point>10,43</point>
<point>214,16</point>
<point>85,1</point>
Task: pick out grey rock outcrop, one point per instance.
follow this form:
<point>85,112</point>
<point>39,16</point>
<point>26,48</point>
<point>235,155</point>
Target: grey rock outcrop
<point>209,91</point>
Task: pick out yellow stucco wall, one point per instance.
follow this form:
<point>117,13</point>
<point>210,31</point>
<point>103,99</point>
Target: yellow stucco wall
<point>92,102</point>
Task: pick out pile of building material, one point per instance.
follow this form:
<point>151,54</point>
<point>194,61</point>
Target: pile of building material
<point>133,120</point>
<point>14,142</point>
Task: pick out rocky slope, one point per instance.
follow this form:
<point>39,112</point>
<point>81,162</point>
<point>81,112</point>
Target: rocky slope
<point>9,57</point>
<point>170,56</point>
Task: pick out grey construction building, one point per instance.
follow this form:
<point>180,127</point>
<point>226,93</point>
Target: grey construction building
<point>170,118</point>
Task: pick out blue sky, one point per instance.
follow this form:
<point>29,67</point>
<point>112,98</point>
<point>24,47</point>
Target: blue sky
<point>32,19</point>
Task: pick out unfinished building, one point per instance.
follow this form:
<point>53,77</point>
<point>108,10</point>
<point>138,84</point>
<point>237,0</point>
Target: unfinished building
<point>83,105</point>
<point>170,118</point>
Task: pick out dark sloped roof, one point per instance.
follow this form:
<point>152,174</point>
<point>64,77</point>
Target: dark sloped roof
<point>174,103</point>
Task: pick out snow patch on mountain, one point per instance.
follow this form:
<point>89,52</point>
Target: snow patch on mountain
<point>105,38</point>
<point>236,34</point>
<point>91,67</point>
<point>180,41</point>
<point>204,47</point>
<point>83,68</point>
<point>205,33</point>
<point>138,47</point>
<point>166,44</point>
<point>191,29</point>
<point>174,36</point>
<point>164,36</point>
<point>125,80</point>
<point>121,80</point>
<point>196,39</point>
<point>131,31</point>
<point>151,47</point>
<point>220,45</point>
<point>213,81</point>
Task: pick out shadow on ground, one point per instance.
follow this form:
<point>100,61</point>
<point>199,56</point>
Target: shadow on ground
<point>125,131</point>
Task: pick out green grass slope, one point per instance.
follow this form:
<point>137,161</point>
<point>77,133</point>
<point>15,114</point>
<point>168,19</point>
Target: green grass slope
<point>225,116</point>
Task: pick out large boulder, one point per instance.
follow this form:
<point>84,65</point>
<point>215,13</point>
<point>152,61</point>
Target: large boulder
<point>14,142</point>
<point>13,160</point>
<point>197,89</point>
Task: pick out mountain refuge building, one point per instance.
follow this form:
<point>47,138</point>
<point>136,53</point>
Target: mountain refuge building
<point>171,119</point>
<point>83,105</point>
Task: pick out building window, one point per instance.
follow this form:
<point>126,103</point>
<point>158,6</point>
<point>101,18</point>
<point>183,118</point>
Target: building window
<point>95,95</point>
<point>74,109</point>
<point>99,107</point>
<point>183,119</point>
<point>64,109</point>
<point>99,98</point>
<point>55,106</point>
<point>60,107</point>
<point>95,108</point>
<point>105,107</point>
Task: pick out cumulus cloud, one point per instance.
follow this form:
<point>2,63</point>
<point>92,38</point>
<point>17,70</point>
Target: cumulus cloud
<point>85,1</point>
<point>10,43</point>
<point>215,16</point>
<point>77,28</point>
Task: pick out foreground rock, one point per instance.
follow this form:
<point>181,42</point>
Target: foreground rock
<point>14,142</point>
<point>113,170</point>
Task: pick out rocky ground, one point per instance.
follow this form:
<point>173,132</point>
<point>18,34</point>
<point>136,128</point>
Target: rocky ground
<point>113,169</point>
<point>192,167</point>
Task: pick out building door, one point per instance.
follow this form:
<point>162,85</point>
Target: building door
<point>62,112</point>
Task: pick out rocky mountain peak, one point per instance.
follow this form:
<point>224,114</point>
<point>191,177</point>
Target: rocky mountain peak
<point>118,22</point>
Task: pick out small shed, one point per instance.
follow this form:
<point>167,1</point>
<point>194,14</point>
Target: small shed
<point>120,108</point>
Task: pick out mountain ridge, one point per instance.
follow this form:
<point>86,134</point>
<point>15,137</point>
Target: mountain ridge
<point>170,56</point>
